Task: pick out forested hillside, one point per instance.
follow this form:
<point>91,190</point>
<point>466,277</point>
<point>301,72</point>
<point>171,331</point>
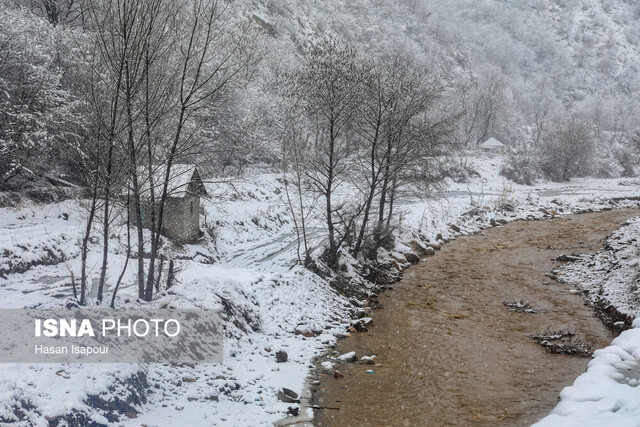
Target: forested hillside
<point>517,71</point>
<point>513,70</point>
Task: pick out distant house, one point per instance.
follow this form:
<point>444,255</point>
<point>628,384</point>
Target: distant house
<point>492,145</point>
<point>181,215</point>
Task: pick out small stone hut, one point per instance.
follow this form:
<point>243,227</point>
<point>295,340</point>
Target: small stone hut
<point>492,145</point>
<point>181,216</point>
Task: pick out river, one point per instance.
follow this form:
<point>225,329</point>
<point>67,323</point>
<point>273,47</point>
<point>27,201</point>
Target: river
<point>448,352</point>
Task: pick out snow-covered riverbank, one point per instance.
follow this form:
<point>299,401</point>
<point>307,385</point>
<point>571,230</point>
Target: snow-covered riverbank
<point>249,270</point>
<point>608,393</point>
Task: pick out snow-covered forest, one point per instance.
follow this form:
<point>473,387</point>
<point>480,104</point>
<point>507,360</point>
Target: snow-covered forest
<point>332,143</point>
<point>533,74</point>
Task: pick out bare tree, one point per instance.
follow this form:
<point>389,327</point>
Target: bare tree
<point>415,137</point>
<point>482,104</point>
<point>94,176</point>
<point>127,257</point>
<point>327,87</point>
<point>295,144</point>
<point>377,124</point>
<point>212,52</point>
<point>164,65</point>
<point>543,108</point>
<point>373,117</point>
<point>126,35</point>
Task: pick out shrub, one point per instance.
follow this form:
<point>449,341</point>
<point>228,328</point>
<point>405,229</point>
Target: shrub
<point>568,151</point>
<point>522,169</point>
<point>459,170</point>
<point>627,159</point>
<point>606,165</point>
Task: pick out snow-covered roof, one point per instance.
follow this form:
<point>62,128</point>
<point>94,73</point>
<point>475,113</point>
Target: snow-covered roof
<point>491,142</point>
<point>183,179</point>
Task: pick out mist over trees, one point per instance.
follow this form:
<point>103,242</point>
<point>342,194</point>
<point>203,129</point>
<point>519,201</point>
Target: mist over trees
<point>373,96</point>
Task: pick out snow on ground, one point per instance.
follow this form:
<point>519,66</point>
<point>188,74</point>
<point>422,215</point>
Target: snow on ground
<point>248,269</point>
<point>491,191</point>
<point>608,393</point>
<point>612,275</point>
<point>32,235</point>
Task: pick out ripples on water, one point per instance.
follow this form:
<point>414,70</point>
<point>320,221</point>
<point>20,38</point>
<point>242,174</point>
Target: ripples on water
<point>449,353</point>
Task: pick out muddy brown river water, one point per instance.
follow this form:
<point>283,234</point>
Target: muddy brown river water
<point>450,353</point>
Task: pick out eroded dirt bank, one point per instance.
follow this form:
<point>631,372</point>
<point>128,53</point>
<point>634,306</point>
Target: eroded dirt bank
<point>450,353</point>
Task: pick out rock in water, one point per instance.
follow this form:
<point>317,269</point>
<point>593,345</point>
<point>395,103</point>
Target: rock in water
<point>412,257</point>
<point>361,325</point>
<point>328,366</point>
<point>368,360</point>
<point>567,258</point>
<point>348,357</point>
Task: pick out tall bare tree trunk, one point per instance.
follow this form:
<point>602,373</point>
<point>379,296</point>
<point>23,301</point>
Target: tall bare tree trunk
<point>85,248</point>
<point>392,199</point>
<point>373,186</point>
<point>105,223</point>
<point>128,255</point>
<point>87,233</point>
<point>107,192</point>
<point>385,184</point>
<point>135,183</point>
